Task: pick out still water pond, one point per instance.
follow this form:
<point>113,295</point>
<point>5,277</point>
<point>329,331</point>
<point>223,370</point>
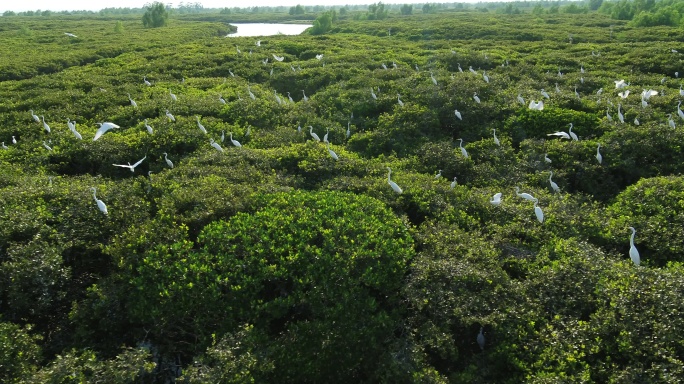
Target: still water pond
<point>265,29</point>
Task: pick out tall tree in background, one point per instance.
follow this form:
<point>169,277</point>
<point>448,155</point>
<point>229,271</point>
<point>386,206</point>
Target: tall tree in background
<point>155,16</point>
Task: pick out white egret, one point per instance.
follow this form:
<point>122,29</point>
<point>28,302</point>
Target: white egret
<point>230,72</point>
<point>129,166</point>
<point>275,93</point>
<point>35,117</point>
<point>319,56</point>
<point>496,199</point>
<point>582,80</point>
<point>554,186</point>
<point>146,81</point>
<point>537,105</point>
<point>572,134</point>
<point>133,103</point>
<point>546,158</point>
<point>104,127</point>
<point>459,67</point>
<point>325,137</point>
<point>645,95</point>
<point>581,68</point>
<point>463,150</point>
<point>558,90</point>
<point>290,97</point>
<point>644,103</point>
<point>384,66</point>
<point>200,126</point>
<point>636,121</point>
<point>524,195</point>
<point>293,68</point>
<point>485,77</point>
<point>439,174</point>
<point>670,121</point>
<point>633,253</point>
<point>70,34</point>
<point>47,146</point>
<point>14,141</point>
<point>223,136</point>
<point>470,68</point>
<point>453,183</point>
<point>434,81</point>
<point>520,99</point>
<point>401,103</point>
<point>458,114</point>
<point>258,43</point>
<point>681,91</point>
<point>619,84</point>
<point>481,339</point>
<point>331,152</point>
<point>305,98</point>
<point>149,128</point>
<point>577,95</point>
<point>235,142</point>
<point>598,154</point>
<point>679,111</point>
<point>416,67</point>
<point>392,184</point>
<point>170,116</point>
<point>251,95</point>
<point>215,145</point>
<point>313,135</point>
<point>621,117</point>
<point>545,94</point>
<point>221,99</point>
<point>496,139</point>
<point>72,128</point>
<point>299,129</point>
<point>538,211</point>
<point>348,134</point>
<point>45,126</point>
<point>608,116</point>
<point>560,134</point>
<point>599,92</point>
<point>624,94</point>
<point>100,204</point>
<point>3,146</point>
<point>173,97</point>
<point>168,162</point>
<point>279,58</point>
<point>249,129</point>
<point>237,49</point>
<point>476,98</point>
<point>373,95</point>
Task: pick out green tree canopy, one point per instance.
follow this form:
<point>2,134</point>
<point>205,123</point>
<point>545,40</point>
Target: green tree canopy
<point>156,15</point>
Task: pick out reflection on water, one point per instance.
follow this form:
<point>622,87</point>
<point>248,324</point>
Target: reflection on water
<point>265,29</point>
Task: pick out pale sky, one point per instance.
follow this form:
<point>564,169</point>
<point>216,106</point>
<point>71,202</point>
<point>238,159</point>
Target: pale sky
<point>96,5</point>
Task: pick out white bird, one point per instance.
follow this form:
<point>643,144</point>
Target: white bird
<point>331,152</point>
<point>70,34</point>
<point>463,150</point>
<point>681,91</point>
<point>496,199</point>
<point>621,117</point>
<point>572,134</point>
<point>434,81</point>
<point>439,174</point>
<point>545,94</point>
<point>223,136</point>
<point>496,139</point>
<point>633,253</point>
<point>249,129</point>
<point>100,204</point>
<point>470,68</point>
<point>636,121</point>
<point>129,166</point>
<point>485,77</point>
<point>619,84</point>
<point>537,105</point>
<point>581,69</point>
<point>200,126</point>
<point>146,81</point>
<point>644,103</point>
<point>14,141</point>
<point>46,146</point>
<point>476,98</point>
<point>221,99</point>
<point>168,162</point>
<point>481,339</point>
<point>348,134</point>
<point>104,127</point>
<point>459,67</point>
<point>279,58</point>
<point>3,146</point>
<point>319,56</point>
<point>561,134</point>
<point>215,145</point>
<point>384,66</point>
<point>458,114</point>
<point>35,117</point>
<point>599,92</point>
<point>290,97</point>
<point>538,211</point>
<point>235,142</point>
<point>598,154</point>
<point>149,128</point>
<point>313,135</point>
<point>546,158</point>
<point>325,137</point>
<point>401,103</point>
<point>305,98</point>
<point>170,116</point>
<point>278,100</point>
<point>624,94</point>
<point>679,111</point>
<point>558,90</point>
<point>258,43</point>
<point>577,95</point>
<point>645,95</point>
<point>608,116</point>
<point>45,126</point>
<point>238,49</point>
<point>524,195</point>
<point>554,186</point>
<point>453,183</point>
<point>251,95</point>
<point>520,99</point>
<point>392,184</point>
<point>670,121</point>
<point>373,95</point>
<point>133,103</point>
<point>72,128</point>
<point>230,72</point>
<point>173,97</point>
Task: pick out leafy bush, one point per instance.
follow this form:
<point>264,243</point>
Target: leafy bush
<point>156,15</point>
<point>19,353</point>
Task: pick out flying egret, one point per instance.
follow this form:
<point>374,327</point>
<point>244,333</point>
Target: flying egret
<point>331,152</point>
<point>545,94</point>
<point>305,98</point>
<point>458,114</point>
<point>621,117</point>
<point>619,84</point>
<point>47,146</point>
<point>173,97</point>
<point>325,137</point>
<point>149,128</point>
<point>373,95</point>
<point>168,162</point>
<point>439,174</point>
<point>476,98</point>
<point>45,126</point>
<point>481,339</point>
<point>129,166</point>
<point>463,150</point>
<point>538,211</point>
<point>546,158</point>
<point>496,199</point>
<point>401,103</point>
<point>146,81</point>
<point>645,95</point>
<point>392,184</point>
<point>104,127</point>
<point>70,34</point>
<point>538,105</point>
<point>598,154</point>
<point>221,99</point>
<point>235,142</point>
<point>453,183</point>
<point>679,111</point>
<point>554,186</point>
<point>496,139</point>
<point>670,121</point>
<point>170,116</point>
<point>35,117</point>
<point>572,134</point>
<point>561,134</point>
<point>624,94</point>
<point>520,99</point>
<point>524,195</point>
<point>200,126</point>
<point>133,103</point>
<point>633,253</point>
<point>100,204</point>
<point>215,145</point>
<point>251,95</point>
<point>279,58</point>
<point>319,56</point>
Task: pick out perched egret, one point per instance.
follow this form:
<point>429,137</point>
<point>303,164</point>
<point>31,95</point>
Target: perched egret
<point>149,128</point>
<point>251,95</point>
<point>561,134</point>
<point>453,183</point>
<point>524,195</point>
<point>470,68</point>
<point>146,81</point>
<point>47,146</point>
<point>237,49</point>
<point>14,141</point>
<point>538,211</point>
<point>679,111</point>
<point>384,66</point>
<point>278,100</point>
<point>249,130</point>
<point>200,126</point>
<point>485,77</point>
<point>623,95</point>
<point>373,95</point>
<point>538,105</point>
<point>223,136</point>
<point>496,139</point>
<point>608,116</point>
<point>546,158</point>
<point>459,67</point>
<point>619,84</point>
<point>545,94</point>
<point>313,135</point>
<point>520,99</point>
<point>3,146</point>
<point>392,184</point>
<point>481,339</point>
<point>681,91</point>
<point>170,116</point>
<point>621,117</point>
<point>599,92</point>
<point>496,199</point>
<point>558,90</point>
<point>70,34</point>
<point>325,137</point>
<point>129,166</point>
<point>133,103</point>
<point>279,58</point>
<point>598,154</point>
<point>72,128</point>
<point>45,126</point>
<point>104,127</point>
<point>348,134</point>
<point>221,99</point>
<point>331,152</point>
<point>168,162</point>
<point>230,72</point>
<point>401,103</point>
<point>258,43</point>
<point>305,98</point>
<point>554,186</point>
<point>319,56</point>
<point>463,150</point>
<point>100,204</point>
<point>434,81</point>
<point>636,121</point>
<point>439,174</point>
<point>458,114</point>
<point>476,98</point>
<point>35,117</point>
<point>577,95</point>
<point>670,121</point>
<point>235,142</point>
<point>215,145</point>
<point>173,97</point>
<point>572,134</point>
<point>633,253</point>
<point>290,97</point>
<point>581,68</point>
